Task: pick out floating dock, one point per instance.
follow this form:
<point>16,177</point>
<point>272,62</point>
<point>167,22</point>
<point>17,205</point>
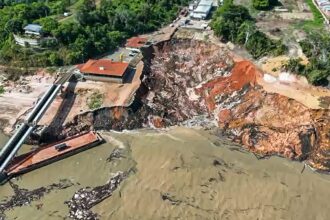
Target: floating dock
<point>50,153</point>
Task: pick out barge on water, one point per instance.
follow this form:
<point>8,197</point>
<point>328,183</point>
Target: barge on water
<point>49,154</point>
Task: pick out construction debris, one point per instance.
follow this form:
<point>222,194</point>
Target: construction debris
<point>84,199</point>
<point>23,197</point>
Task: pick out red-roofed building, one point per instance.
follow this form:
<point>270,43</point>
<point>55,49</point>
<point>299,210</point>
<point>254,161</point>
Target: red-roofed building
<point>135,43</point>
<point>103,70</point>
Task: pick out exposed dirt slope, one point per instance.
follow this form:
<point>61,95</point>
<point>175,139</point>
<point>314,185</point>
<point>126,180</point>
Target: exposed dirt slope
<point>268,123</point>
<point>186,80</point>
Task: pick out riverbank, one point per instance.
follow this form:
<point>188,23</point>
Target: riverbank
<point>193,82</point>
<point>283,116</point>
<point>267,114</point>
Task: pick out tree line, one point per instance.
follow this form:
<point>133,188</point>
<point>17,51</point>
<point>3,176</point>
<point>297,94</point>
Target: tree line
<point>96,29</point>
<point>317,49</point>
<point>234,23</point>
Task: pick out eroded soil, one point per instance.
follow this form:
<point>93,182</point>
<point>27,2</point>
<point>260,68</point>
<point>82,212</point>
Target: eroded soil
<point>186,79</point>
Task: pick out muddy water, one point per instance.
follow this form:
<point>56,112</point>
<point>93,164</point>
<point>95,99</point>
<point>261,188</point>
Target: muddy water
<point>180,174</point>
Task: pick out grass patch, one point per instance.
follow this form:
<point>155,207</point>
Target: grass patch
<point>95,101</point>
<point>2,90</point>
<point>72,9</point>
<point>318,20</point>
<point>70,18</point>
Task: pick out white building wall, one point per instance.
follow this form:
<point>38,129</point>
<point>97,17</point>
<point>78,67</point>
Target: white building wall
<point>102,78</point>
<point>21,41</point>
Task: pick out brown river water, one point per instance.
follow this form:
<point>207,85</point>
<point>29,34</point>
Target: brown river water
<point>179,173</point>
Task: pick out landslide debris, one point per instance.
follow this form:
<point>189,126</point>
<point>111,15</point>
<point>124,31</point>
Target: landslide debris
<point>167,96</point>
<point>23,197</point>
<point>268,123</point>
<point>185,79</point>
<point>84,199</point>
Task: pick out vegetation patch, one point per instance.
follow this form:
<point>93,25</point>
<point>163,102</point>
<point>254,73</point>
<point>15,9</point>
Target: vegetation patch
<point>318,20</point>
<point>317,48</point>
<point>234,23</point>
<point>97,27</point>
<point>264,4</point>
<point>95,101</point>
<point>2,89</point>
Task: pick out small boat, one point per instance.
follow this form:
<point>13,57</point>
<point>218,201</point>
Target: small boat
<point>45,155</point>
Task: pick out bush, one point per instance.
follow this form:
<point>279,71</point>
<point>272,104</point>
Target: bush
<point>236,24</point>
<point>261,4</point>
<point>295,66</point>
<point>95,101</point>
<point>2,89</point>
<point>317,48</point>
<point>55,60</point>
<point>264,4</point>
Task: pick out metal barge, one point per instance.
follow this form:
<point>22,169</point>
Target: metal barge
<point>50,153</point>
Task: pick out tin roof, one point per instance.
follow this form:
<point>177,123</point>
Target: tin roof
<point>103,67</point>
<point>33,27</point>
<point>206,2</point>
<point>136,42</point>
<point>203,9</point>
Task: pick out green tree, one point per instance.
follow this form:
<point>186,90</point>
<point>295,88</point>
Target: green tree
<point>261,4</point>
<point>264,4</point>
<point>14,26</point>
<point>55,59</point>
<point>95,31</point>
<point>48,24</point>
<point>236,24</point>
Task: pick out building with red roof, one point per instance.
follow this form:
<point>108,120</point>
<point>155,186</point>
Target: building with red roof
<point>104,70</point>
<point>136,43</point>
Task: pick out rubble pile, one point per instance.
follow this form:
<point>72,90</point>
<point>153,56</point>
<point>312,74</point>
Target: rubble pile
<point>114,118</point>
<point>179,67</point>
<point>84,199</point>
<point>167,96</point>
<point>24,197</point>
<point>116,154</point>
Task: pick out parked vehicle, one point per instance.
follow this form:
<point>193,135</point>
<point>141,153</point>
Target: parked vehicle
<point>60,147</point>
